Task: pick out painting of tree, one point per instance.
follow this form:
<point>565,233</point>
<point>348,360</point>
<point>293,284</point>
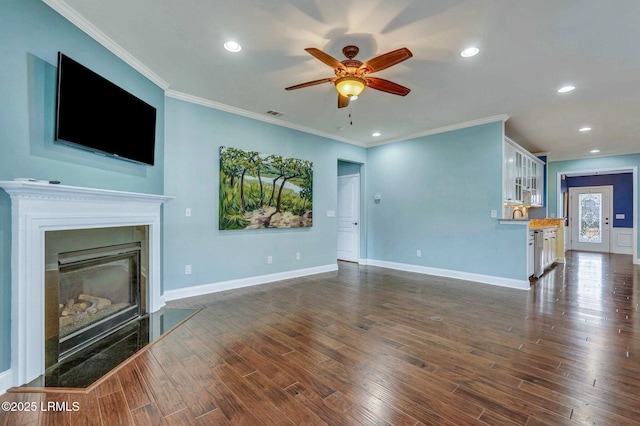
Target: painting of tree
<point>264,191</point>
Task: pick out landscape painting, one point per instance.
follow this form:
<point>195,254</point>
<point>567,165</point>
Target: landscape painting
<point>260,191</point>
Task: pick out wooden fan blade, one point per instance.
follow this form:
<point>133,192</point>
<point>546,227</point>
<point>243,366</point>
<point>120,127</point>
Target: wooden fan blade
<point>310,83</point>
<point>327,59</point>
<point>387,86</point>
<point>386,60</point>
<point>343,101</point>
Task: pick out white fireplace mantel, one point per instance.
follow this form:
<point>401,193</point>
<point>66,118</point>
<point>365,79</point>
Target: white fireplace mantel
<point>37,207</point>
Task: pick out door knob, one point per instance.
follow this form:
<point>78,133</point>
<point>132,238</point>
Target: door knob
<point>355,223</point>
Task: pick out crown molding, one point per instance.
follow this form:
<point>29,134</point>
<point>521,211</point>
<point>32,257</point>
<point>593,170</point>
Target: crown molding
<point>87,27</point>
<point>255,116</point>
<point>458,126</point>
<point>91,30</point>
<point>238,111</point>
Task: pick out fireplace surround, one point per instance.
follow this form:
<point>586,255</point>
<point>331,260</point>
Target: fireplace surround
<point>38,207</point>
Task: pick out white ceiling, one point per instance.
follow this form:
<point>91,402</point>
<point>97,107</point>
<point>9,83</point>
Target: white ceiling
<point>528,49</point>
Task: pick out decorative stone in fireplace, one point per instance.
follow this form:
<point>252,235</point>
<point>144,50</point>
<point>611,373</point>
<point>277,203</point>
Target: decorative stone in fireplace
<point>39,208</point>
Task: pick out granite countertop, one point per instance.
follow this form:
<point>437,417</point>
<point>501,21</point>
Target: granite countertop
<point>546,223</point>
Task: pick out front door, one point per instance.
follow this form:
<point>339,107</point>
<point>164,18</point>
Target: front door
<point>590,218</point>
<point>349,218</point>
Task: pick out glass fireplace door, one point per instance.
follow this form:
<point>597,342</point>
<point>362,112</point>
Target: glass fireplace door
<point>98,292</point>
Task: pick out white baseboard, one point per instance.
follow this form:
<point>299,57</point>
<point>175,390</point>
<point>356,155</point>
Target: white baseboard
<point>448,273</point>
<point>245,282</point>
<point>6,378</point>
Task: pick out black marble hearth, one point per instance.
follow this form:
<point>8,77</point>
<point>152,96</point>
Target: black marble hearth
<point>84,368</point>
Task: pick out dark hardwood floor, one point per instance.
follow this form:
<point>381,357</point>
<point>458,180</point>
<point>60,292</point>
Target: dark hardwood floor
<point>373,346</point>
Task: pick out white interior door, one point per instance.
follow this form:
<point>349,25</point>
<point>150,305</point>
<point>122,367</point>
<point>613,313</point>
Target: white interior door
<point>349,218</point>
<point>590,218</point>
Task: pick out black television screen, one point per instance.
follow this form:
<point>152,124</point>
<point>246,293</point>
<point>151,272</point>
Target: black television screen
<point>94,114</point>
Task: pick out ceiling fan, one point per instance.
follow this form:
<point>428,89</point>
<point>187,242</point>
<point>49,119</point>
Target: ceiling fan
<point>352,76</point>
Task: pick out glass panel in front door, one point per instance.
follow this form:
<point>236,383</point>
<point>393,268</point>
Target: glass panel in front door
<point>590,218</point>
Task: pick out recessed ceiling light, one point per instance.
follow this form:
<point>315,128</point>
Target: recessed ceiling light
<point>376,134</point>
<point>353,98</point>
<point>584,129</point>
<point>594,151</point>
<point>469,52</point>
<point>565,89</point>
<point>233,46</point>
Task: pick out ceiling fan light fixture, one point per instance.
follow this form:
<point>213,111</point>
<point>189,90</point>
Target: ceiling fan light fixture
<point>350,86</point>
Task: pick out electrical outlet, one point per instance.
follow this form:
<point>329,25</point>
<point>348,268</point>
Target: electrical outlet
<point>187,269</point>
<point>418,253</point>
<point>494,213</point>
<point>298,256</point>
<point>269,260</point>
<point>187,212</point>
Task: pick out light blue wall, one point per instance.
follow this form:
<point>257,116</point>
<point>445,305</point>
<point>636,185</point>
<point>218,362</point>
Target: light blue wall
<point>437,195</point>
<point>31,34</point>
<point>618,162</point>
<point>194,135</point>
<point>437,191</point>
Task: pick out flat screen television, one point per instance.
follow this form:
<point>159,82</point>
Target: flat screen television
<point>94,114</point>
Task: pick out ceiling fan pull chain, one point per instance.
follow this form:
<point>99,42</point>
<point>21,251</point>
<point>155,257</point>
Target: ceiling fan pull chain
<point>350,119</point>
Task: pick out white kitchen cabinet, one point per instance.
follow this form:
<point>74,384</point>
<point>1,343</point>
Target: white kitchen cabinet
<point>533,185</point>
<point>531,254</point>
<point>526,173</point>
<point>523,175</point>
<point>537,184</point>
<point>549,252</point>
<point>518,186</point>
<point>509,175</point>
<point>540,184</point>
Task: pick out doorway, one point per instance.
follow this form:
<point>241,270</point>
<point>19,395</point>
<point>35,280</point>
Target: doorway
<point>590,218</point>
<point>348,215</point>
